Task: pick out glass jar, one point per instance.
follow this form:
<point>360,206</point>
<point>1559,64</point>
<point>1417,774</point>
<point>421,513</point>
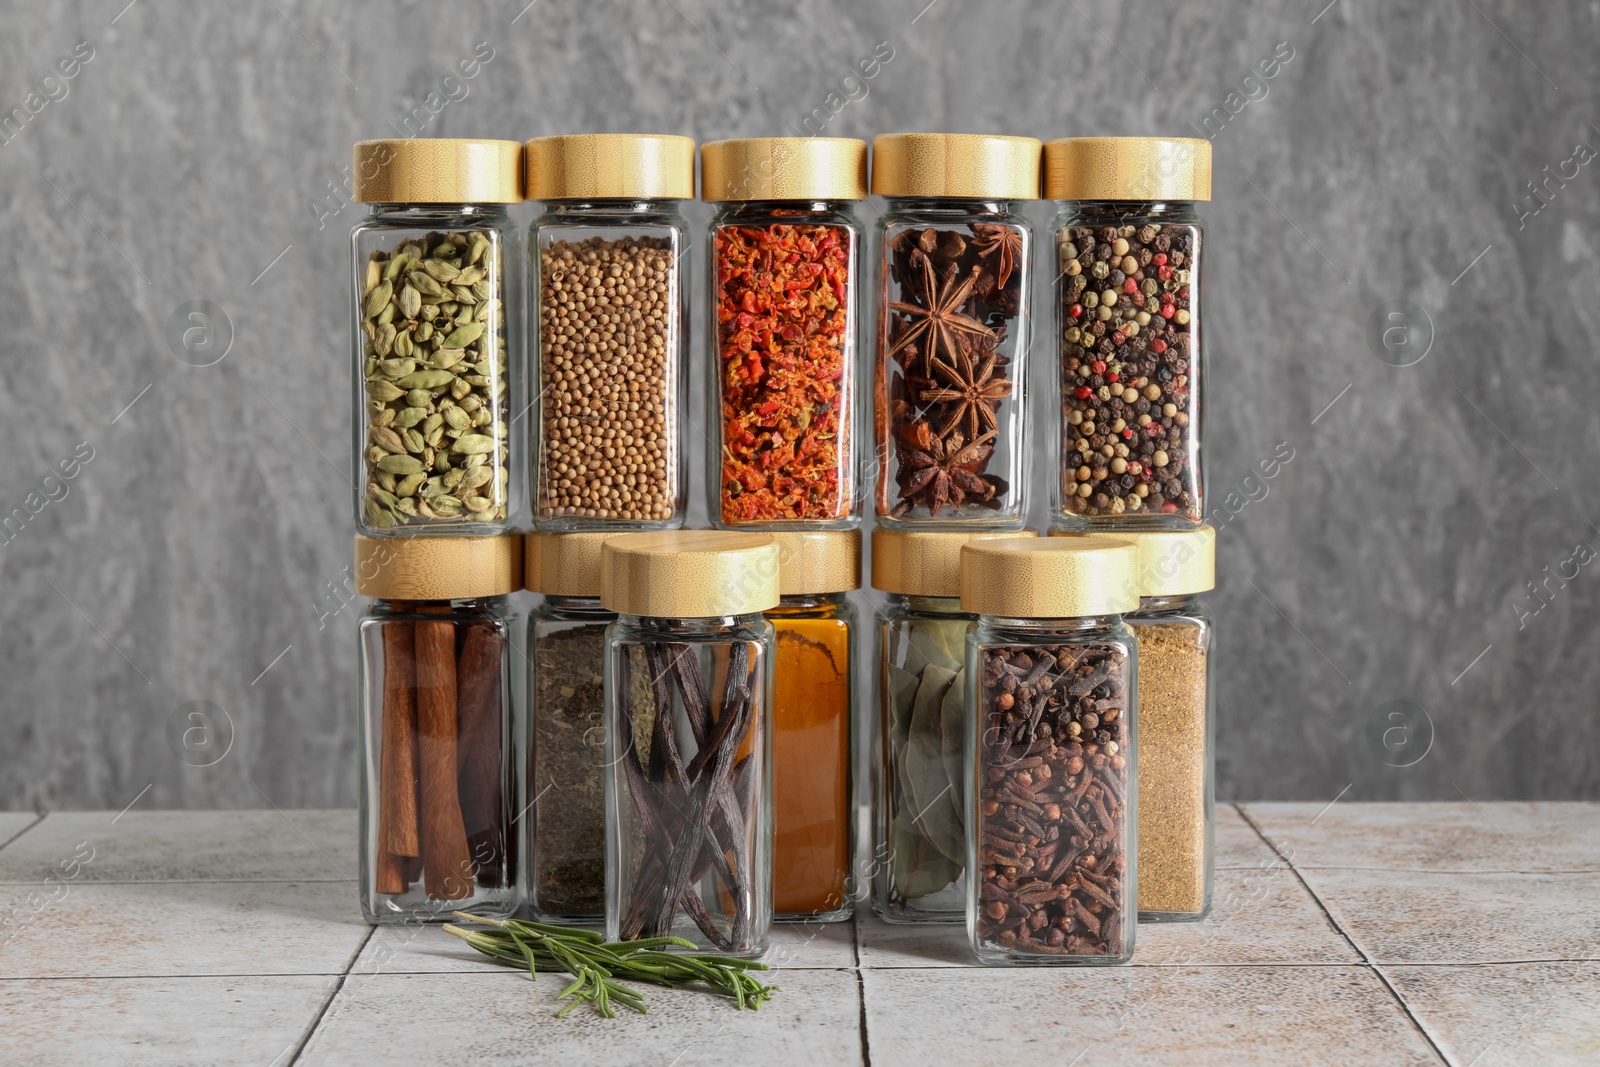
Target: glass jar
<point>918,852</point>
<point>813,709</point>
<point>610,326</point>
<point>1177,796</point>
<point>954,281</point>
<point>564,828</point>
<point>1128,248</point>
<point>688,737</point>
<point>435,727</point>
<point>783,281</point>
<point>437,308</point>
<point>1052,706</point>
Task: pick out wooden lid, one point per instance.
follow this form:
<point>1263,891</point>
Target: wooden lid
<point>1171,562</point>
<point>925,562</point>
<point>1049,578</point>
<point>784,168</point>
<point>601,166</point>
<point>437,170</point>
<point>970,165</point>
<point>438,568</point>
<point>563,564</point>
<point>689,574</point>
<point>812,562</point>
<point>1127,168</point>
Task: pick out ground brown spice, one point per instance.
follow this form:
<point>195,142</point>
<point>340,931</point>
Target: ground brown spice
<point>1172,766</point>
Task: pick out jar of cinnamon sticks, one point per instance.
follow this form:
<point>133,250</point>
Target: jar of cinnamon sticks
<point>688,741</point>
<point>435,723</point>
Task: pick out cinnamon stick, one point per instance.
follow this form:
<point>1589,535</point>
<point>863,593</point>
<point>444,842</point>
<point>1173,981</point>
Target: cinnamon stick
<point>446,860</point>
<point>479,752</point>
<point>397,779</point>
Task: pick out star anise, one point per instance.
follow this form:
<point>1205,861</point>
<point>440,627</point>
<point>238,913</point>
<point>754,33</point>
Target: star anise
<point>971,389</point>
<point>946,474</point>
<point>1002,243</point>
<point>936,315</point>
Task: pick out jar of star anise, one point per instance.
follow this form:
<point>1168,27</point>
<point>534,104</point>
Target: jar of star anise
<point>784,262</point>
<point>1128,296</point>
<point>954,286</point>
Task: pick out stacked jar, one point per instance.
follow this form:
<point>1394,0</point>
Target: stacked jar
<point>610,329</point>
<point>437,315</point>
<point>953,296</point>
<point>435,726</point>
<point>1128,246</point>
<point>784,279</point>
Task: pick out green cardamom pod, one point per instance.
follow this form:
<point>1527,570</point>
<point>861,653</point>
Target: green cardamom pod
<point>409,485</point>
<point>418,398</point>
<point>409,417</point>
<point>446,358</point>
<point>457,418</point>
<point>410,301</point>
<point>400,464</point>
<point>384,391</point>
<point>414,441</point>
<point>378,299</point>
<point>403,345</point>
<point>462,336</point>
<point>425,379</point>
<point>474,444</point>
<point>440,270</point>
<point>386,439</point>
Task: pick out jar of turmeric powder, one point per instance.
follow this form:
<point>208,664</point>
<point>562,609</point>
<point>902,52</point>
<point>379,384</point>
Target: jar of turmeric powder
<point>435,726</point>
<point>813,809</point>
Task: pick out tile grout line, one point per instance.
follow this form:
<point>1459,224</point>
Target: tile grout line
<point>861,988</point>
<point>322,1013</point>
<point>1399,1000</point>
<point>38,817</point>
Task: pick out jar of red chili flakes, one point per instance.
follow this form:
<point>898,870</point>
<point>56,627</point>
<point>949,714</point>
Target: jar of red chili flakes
<point>784,260</point>
<point>1128,247</point>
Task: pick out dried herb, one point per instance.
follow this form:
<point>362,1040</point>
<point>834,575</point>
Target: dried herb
<point>566,778</point>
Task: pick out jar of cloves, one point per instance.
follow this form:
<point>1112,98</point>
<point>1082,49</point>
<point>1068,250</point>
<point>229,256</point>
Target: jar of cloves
<point>1128,254</point>
<point>436,726</point>
<point>954,283</point>
<point>563,830</point>
<point>919,726</point>
<point>1052,676</point>
<point>1177,798</point>
<point>437,309</point>
<point>610,325</point>
<point>784,282</point>
<point>688,737</point>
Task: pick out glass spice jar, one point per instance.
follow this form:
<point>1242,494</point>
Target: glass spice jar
<point>1051,789</point>
<point>610,325</point>
<point>435,726</point>
<point>813,709</point>
<point>783,280</point>
<point>1177,797</point>
<point>953,295</point>
<point>564,828</point>
<point>1128,247</point>
<point>918,854</point>
<point>688,737</point>
<point>437,309</point>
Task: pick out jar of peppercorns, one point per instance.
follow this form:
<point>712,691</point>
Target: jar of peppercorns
<point>954,286</point>
<point>1128,254</point>
<point>783,279</point>
<point>610,324</point>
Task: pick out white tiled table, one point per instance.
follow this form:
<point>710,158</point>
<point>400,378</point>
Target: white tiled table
<point>1379,933</point>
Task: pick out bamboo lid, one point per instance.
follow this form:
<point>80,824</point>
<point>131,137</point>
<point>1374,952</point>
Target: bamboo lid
<point>1061,578</point>
<point>784,168</point>
<point>925,562</point>
<point>563,564</point>
<point>689,574</point>
<point>600,166</point>
<point>437,170</point>
<point>438,568</point>
<point>1171,562</point>
<point>972,165</point>
<point>812,562</point>
<point>1127,168</point>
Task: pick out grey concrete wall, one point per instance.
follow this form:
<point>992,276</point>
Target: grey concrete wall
<point>198,155</point>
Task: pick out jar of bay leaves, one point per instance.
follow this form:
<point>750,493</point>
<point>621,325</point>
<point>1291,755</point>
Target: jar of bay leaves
<point>610,326</point>
<point>435,726</point>
<point>438,313</point>
<point>1128,255</point>
<point>688,737</point>
<point>918,854</point>
<point>1177,797</point>
<point>954,285</point>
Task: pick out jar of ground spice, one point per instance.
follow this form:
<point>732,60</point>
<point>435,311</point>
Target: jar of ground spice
<point>919,726</point>
<point>954,285</point>
<point>563,832</point>
<point>435,726</point>
<point>1050,791</point>
<point>610,323</point>
<point>688,737</point>
<point>1177,800</point>
<point>437,323</point>
<point>1128,251</point>
<point>813,803</point>
<point>784,262</point>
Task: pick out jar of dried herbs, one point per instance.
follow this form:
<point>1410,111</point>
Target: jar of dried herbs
<point>918,853</point>
<point>953,286</point>
<point>783,279</point>
<point>610,324</point>
<point>688,738</point>
<point>1177,798</point>
<point>563,830</point>
<point>438,314</point>
<point>1128,247</point>
<point>435,726</point>
<point>1051,695</point>
<point>813,801</point>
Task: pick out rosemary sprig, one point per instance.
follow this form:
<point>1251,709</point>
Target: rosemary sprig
<point>596,965</point>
